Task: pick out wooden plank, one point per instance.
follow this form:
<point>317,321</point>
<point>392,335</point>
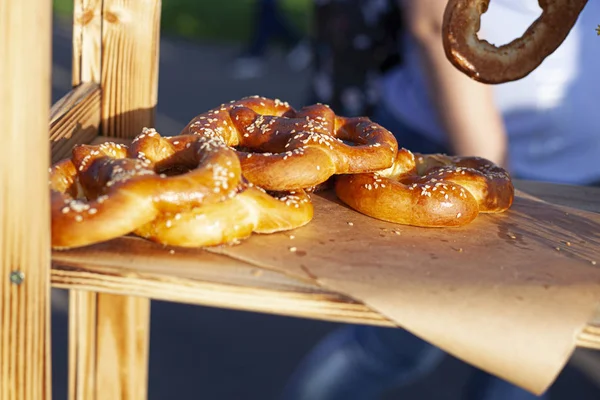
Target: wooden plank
<point>213,280</point>
<point>87,41</point>
<point>220,282</point>
<point>109,344</point>
<point>86,74</point>
<point>113,48</point>
<point>82,344</point>
<point>130,56</point>
<point>123,340</point>
<point>74,119</point>
<point>116,43</point>
<point>25,66</point>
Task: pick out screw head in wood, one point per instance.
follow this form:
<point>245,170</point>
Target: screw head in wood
<point>17,277</point>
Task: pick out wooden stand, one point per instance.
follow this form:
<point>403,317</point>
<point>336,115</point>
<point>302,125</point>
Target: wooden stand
<point>110,47</point>
<point>25,63</point>
<point>115,82</point>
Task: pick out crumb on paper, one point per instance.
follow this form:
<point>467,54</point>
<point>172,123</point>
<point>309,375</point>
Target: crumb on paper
<point>397,232</point>
<point>293,249</point>
<point>350,223</point>
<point>557,248</point>
<point>257,272</point>
<point>593,262</point>
<point>292,237</point>
<point>171,251</point>
<point>568,243</point>
<point>511,235</point>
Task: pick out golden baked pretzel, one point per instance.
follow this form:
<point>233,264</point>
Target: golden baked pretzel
<point>198,170</point>
<point>429,190</point>
<point>108,190</point>
<point>126,201</point>
<point>488,63</point>
<point>282,149</point>
<point>251,210</point>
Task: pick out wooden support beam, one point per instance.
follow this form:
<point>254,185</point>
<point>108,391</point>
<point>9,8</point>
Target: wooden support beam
<point>116,45</point>
<point>113,48</point>
<point>74,119</point>
<point>130,55</point>
<point>87,41</point>
<point>108,336</point>
<point>25,71</point>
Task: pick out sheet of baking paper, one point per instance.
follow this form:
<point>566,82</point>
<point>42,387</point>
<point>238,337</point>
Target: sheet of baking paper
<point>508,293</point>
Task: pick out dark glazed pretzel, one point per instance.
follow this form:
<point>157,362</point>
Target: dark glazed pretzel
<point>487,63</point>
<point>281,149</point>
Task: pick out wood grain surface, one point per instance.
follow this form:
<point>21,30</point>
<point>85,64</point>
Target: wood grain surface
<point>115,50</point>
<point>74,119</point>
<point>25,87</point>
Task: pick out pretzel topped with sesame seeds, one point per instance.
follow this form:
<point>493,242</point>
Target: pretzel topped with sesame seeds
<point>253,210</point>
<point>429,190</point>
<point>108,190</point>
<point>284,149</point>
<point>488,63</point>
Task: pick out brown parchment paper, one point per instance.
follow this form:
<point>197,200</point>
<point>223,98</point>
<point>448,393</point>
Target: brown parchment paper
<point>508,293</point>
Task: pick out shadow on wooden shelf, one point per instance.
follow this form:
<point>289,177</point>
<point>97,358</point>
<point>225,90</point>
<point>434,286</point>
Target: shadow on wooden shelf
<point>78,117</point>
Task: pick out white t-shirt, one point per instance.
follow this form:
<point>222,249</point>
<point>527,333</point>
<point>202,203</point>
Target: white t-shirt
<point>552,116</point>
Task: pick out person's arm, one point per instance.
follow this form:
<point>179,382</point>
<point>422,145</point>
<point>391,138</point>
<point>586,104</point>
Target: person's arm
<point>466,108</point>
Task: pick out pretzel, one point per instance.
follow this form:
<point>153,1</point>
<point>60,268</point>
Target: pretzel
<point>252,210</point>
<point>429,190</point>
<point>487,63</point>
<point>108,190</point>
<point>282,149</point>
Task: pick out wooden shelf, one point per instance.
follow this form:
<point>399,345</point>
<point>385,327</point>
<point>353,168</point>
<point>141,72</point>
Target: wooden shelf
<point>214,280</point>
<point>204,278</point>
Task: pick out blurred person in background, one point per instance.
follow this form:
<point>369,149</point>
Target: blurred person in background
<point>543,127</point>
<point>270,24</point>
<point>355,42</point>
